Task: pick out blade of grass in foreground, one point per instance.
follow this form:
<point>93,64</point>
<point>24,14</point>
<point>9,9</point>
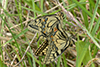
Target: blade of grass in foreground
<point>80,56</point>
<point>94,14</point>
<point>58,62</point>
<point>64,59</point>
<point>2,64</point>
<point>96,27</point>
<point>34,65</point>
<point>33,3</point>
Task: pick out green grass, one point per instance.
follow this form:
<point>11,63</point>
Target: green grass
<point>19,37</point>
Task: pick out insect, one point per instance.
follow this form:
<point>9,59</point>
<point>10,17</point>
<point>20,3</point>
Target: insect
<point>45,24</point>
<point>54,46</point>
<point>57,40</point>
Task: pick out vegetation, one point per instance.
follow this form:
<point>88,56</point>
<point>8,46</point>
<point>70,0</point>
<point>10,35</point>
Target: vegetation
<point>18,44</point>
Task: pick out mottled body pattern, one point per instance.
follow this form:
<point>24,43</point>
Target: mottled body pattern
<point>57,40</point>
<point>44,25</point>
